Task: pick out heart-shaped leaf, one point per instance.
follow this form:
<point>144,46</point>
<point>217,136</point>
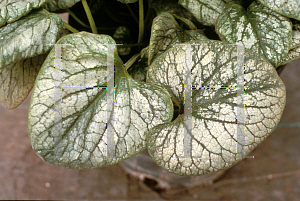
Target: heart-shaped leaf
<point>289,8</point>
<point>17,80</point>
<point>205,11</point>
<point>165,32</point>
<point>70,131</point>
<point>12,10</point>
<point>28,37</point>
<point>54,5</point>
<point>219,101</point>
<point>259,29</point>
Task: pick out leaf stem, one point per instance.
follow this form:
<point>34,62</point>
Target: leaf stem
<point>89,16</point>
<point>132,60</point>
<point>77,19</point>
<point>188,22</point>
<point>132,13</point>
<point>141,23</point>
<point>85,25</point>
<point>70,28</point>
<point>65,32</point>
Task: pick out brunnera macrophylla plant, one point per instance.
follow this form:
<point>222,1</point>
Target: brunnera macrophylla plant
<point>89,109</point>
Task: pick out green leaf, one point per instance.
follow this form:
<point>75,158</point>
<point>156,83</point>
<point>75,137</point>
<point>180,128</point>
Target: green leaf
<point>188,22</point>
<point>194,35</point>
<point>288,8</point>
<point>122,36</point>
<point>259,29</point>
<point>234,1</point>
<point>12,10</point>
<point>172,7</point>
<point>139,70</point>
<point>214,127</point>
<point>128,1</point>
<point>205,11</point>
<point>95,5</point>
<point>55,5</point>
<point>17,80</point>
<point>82,139</point>
<point>166,32</point>
<point>28,37</point>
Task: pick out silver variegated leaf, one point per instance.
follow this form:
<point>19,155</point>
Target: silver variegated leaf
<point>292,55</point>
<point>194,35</point>
<point>79,140</point>
<point>12,10</point>
<point>213,138</point>
<point>288,8</point>
<point>30,36</point>
<point>172,7</point>
<point>54,5</point>
<point>259,29</point>
<point>295,39</point>
<point>205,11</point>
<point>166,32</point>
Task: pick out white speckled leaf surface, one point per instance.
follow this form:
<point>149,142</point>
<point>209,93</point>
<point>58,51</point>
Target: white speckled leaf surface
<point>23,45</point>
<point>295,39</point>
<point>292,55</point>
<point>12,10</point>
<point>213,110</point>
<point>166,32</point>
<point>138,107</point>
<point>30,36</point>
<point>54,5</point>
<point>289,8</point>
<point>205,11</point>
<point>261,30</point>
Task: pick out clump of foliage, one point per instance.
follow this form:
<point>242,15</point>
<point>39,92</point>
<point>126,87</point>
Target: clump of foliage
<point>90,109</point>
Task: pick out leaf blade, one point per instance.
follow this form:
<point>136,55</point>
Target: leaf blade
<point>17,80</point>
<point>214,138</point>
<point>12,10</point>
<point>264,32</point>
<point>33,35</point>
<point>82,141</point>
